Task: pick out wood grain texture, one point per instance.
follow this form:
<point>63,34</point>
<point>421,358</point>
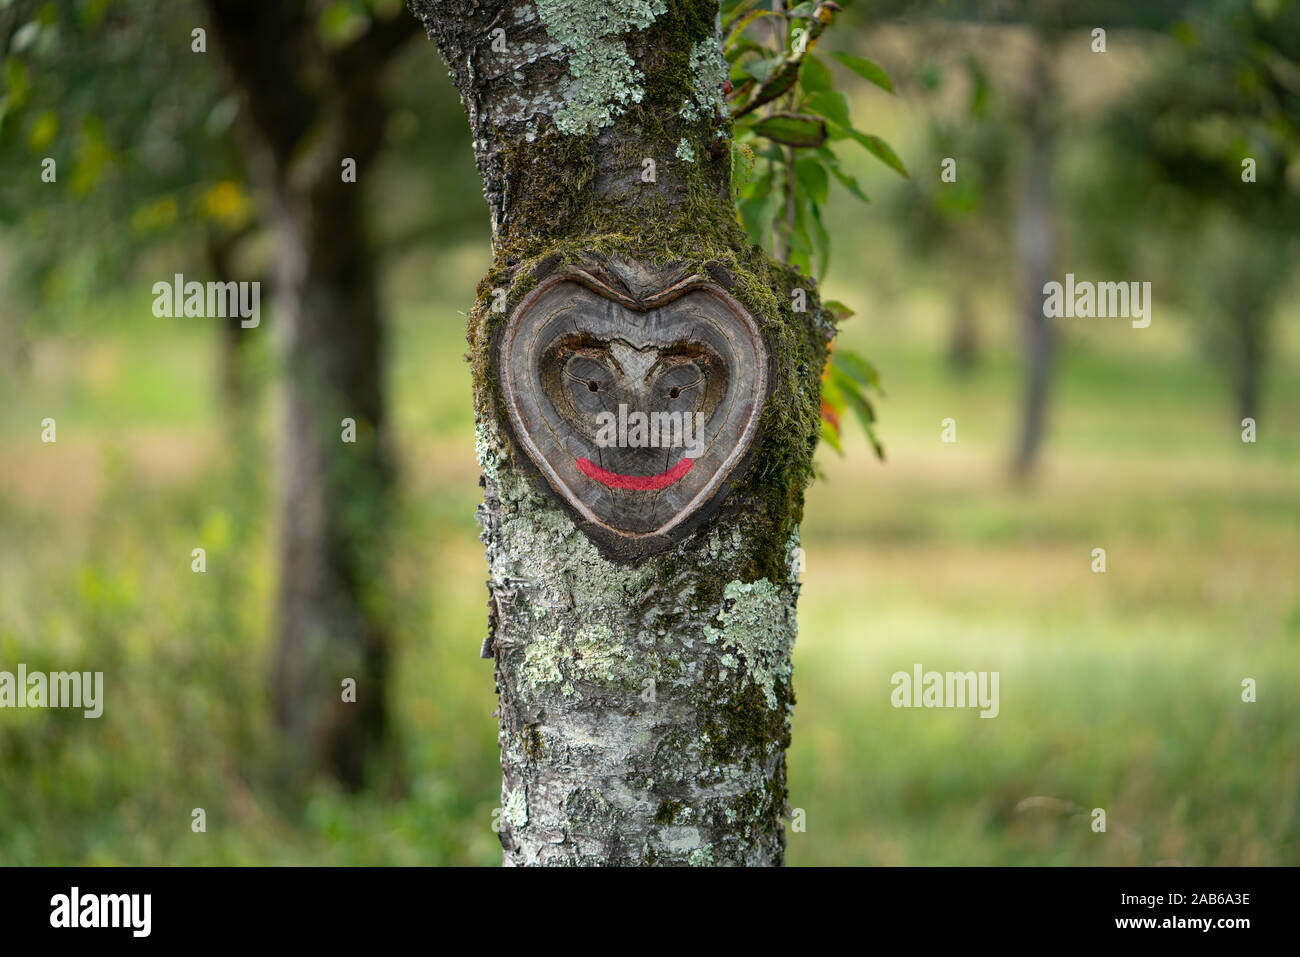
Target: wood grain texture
<point>618,341</point>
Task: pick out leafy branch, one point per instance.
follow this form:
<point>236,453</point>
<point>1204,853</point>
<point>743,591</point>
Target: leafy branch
<point>789,119</point>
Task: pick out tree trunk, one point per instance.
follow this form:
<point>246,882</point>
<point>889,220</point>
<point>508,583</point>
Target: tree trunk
<point>307,110</point>
<point>963,337</point>
<point>1246,301</point>
<point>1036,247</point>
<point>232,363</point>
<point>1248,364</point>
<point>644,676</point>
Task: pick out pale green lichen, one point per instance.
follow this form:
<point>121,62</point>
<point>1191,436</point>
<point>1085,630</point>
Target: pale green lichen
<point>715,546</point>
<point>756,626</point>
<point>685,151</point>
<point>542,660</point>
<point>794,556</point>
<point>593,655</point>
<point>515,809</point>
<point>680,840</point>
<point>708,76</point>
<point>702,856</point>
<point>487,448</point>
<point>606,79</point>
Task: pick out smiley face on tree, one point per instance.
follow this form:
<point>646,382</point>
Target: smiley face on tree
<point>636,393</point>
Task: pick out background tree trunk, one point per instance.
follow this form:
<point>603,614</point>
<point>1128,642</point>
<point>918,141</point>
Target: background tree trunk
<point>219,248</point>
<point>1248,361</point>
<point>644,704</point>
<point>963,335</point>
<point>307,109</point>
<point>1245,297</point>
<point>1036,251</point>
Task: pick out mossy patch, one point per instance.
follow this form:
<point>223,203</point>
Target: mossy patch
<point>668,811</point>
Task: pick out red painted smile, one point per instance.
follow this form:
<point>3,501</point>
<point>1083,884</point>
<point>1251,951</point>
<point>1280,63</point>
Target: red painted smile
<point>637,483</point>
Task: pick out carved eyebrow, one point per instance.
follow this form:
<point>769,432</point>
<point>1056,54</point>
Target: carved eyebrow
<point>689,385</point>
<point>679,389</point>
<point>577,341</point>
<point>689,349</point>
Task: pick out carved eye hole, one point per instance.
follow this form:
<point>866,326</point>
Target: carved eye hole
<point>585,368</point>
<point>674,392</point>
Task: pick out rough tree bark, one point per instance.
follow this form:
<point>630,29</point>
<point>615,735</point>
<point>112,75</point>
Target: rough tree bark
<point>306,110</point>
<point>645,690</point>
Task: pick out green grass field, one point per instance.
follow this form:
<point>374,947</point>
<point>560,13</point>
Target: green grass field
<point>1119,691</point>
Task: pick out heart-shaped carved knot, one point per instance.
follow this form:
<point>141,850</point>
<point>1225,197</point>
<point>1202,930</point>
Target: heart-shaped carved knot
<point>637,405</point>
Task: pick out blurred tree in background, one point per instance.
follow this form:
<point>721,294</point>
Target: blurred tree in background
<point>162,159</point>
<point>1206,157</point>
<point>958,221</point>
<point>315,115</point>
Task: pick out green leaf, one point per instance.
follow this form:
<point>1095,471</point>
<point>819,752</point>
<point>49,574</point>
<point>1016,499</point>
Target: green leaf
<point>831,104</point>
<point>42,131</point>
<point>880,149</point>
<point>793,129</point>
<point>730,11</point>
<point>815,76</point>
<point>801,248</point>
<point>759,188</point>
<point>876,444</point>
<point>762,70</point>
<point>25,36</point>
<point>738,49</point>
<point>809,243</point>
<point>856,368</point>
<point>341,23</point>
<point>18,82</point>
<point>838,310</point>
<point>811,175</point>
<point>866,69</point>
<point>831,437</point>
<point>742,166</point>
<point>745,21</point>
<point>854,397</point>
<point>757,213</point>
<point>848,182</point>
<point>821,241</point>
<point>766,149</point>
<point>832,395</point>
<point>856,400</point>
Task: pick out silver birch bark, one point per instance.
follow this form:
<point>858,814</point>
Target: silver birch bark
<point>645,697</point>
